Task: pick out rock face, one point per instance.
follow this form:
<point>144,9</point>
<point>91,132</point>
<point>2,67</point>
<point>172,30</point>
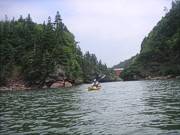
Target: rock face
<point>58,75</point>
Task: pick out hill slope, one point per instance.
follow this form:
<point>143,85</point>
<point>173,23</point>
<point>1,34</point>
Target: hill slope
<point>160,51</point>
<point>41,54</point>
<point>126,63</point>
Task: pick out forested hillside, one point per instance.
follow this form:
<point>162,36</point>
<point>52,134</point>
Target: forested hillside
<point>40,54</point>
<point>126,63</point>
<point>160,50</point>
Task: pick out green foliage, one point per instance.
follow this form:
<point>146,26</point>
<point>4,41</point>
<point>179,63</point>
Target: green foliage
<point>126,63</point>
<point>92,68</point>
<point>6,60</point>
<point>38,50</point>
<point>160,51</point>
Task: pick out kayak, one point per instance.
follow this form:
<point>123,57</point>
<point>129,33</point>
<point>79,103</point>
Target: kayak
<point>94,88</point>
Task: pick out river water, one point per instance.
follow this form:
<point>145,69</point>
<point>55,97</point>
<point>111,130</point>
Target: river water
<point>119,108</point>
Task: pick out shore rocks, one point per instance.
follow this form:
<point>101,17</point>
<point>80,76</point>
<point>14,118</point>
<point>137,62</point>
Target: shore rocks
<point>159,77</point>
<point>14,87</point>
<point>61,84</point>
<point>58,84</point>
<point>68,84</point>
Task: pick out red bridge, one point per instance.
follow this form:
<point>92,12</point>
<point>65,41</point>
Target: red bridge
<point>118,71</point>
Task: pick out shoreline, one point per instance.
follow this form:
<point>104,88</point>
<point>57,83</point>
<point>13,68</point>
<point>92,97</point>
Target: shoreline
<point>67,84</point>
<point>21,86</point>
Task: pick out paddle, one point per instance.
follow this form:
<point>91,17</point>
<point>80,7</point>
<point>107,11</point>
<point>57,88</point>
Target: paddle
<point>101,78</point>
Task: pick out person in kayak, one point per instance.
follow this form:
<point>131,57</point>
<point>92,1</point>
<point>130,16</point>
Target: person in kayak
<point>95,83</point>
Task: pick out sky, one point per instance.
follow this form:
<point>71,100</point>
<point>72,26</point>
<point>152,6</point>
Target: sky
<point>111,29</point>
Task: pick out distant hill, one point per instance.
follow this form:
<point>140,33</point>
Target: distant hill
<point>126,63</point>
<point>160,50</point>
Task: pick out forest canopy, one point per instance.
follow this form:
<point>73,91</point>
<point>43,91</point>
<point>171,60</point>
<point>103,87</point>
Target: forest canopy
<point>38,53</point>
<point>160,50</point>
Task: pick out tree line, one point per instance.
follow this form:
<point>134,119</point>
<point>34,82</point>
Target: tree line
<point>35,52</point>
<point>160,50</point>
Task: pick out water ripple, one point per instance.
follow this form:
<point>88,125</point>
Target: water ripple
<point>127,108</point>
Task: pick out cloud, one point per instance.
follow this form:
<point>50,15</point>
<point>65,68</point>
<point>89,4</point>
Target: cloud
<point>116,27</point>
<point>112,29</point>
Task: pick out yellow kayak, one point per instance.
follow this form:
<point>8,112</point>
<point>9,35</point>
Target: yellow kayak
<point>94,88</point>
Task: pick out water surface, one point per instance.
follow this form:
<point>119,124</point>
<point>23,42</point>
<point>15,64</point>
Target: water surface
<point>120,108</point>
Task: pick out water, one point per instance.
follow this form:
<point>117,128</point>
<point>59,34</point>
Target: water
<point>120,108</point>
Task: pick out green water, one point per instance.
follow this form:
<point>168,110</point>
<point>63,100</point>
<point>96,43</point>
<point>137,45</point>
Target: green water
<point>120,108</point>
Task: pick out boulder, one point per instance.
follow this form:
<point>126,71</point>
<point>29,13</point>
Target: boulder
<point>68,84</point>
<point>44,87</point>
<point>58,84</point>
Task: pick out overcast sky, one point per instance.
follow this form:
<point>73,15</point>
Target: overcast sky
<point>112,29</point>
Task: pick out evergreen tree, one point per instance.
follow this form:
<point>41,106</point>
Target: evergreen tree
<point>160,50</point>
<point>35,52</point>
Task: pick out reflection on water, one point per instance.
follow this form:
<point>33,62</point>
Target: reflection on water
<point>127,108</point>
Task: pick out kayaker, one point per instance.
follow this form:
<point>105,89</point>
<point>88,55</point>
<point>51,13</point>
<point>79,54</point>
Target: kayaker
<point>95,83</point>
